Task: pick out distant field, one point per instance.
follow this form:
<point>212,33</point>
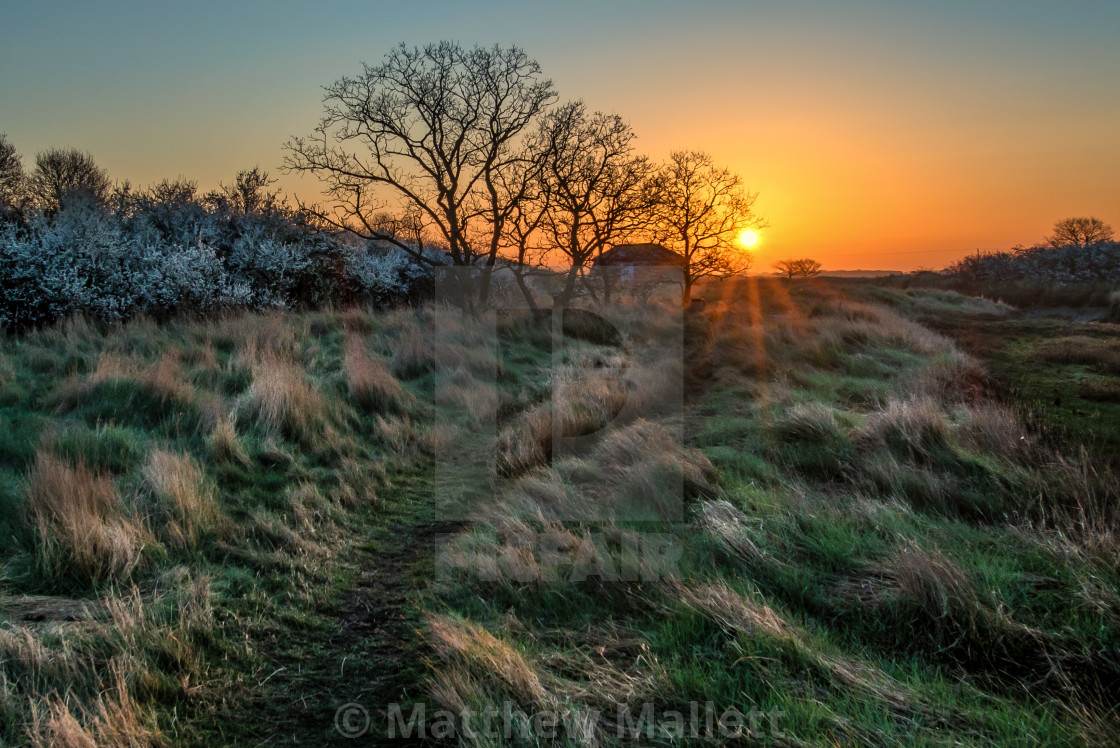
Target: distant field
<point>882,517</point>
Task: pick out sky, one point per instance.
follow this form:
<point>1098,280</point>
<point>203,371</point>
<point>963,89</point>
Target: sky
<point>878,135</point>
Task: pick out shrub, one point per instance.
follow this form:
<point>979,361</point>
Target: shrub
<point>385,276</point>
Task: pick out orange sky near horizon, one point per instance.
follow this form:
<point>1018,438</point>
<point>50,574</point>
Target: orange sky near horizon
<point>879,135</point>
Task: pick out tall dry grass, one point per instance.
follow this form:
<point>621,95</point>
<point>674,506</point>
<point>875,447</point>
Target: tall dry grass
<point>183,500</point>
<point>116,721</point>
<point>370,382</point>
<point>224,444</point>
<point>165,378</point>
<point>85,532</point>
<point>283,398</point>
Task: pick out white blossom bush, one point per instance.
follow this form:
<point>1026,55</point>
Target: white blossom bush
<point>164,251</point>
<point>83,261</point>
<point>1054,265</point>
<point>383,276</point>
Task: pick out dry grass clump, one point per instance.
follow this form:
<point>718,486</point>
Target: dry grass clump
<point>580,406</point>
<point>1100,390</point>
<point>370,382</point>
<point>283,398</point>
<point>924,578</point>
<point>647,450</point>
<point>403,436</point>
<point>527,442</point>
<point>585,404</point>
<point>729,525</point>
<point>635,471</point>
<point>992,429</point>
<point>599,667</point>
<point>950,376</point>
<point>736,613</point>
<point>849,323</point>
<point>1082,502</point>
<point>272,332</point>
<point>486,657</point>
<point>813,423</point>
<point>183,499</point>
<point>116,722</point>
<point>225,445</point>
<point>84,530</point>
<point>919,426</point>
<point>413,354</point>
<point>165,378</point>
<point>358,482</point>
<point>459,391</point>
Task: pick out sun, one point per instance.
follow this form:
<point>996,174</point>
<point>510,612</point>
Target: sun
<point>748,238</point>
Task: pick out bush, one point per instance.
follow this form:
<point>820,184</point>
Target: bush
<point>1072,264</point>
<point>165,250</point>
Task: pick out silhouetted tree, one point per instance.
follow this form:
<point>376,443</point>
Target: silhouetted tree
<point>63,174</point>
<point>803,268</point>
<point>432,130</point>
<point>1080,232</point>
<point>595,188</point>
<point>249,194</point>
<point>11,177</point>
<point>701,211</point>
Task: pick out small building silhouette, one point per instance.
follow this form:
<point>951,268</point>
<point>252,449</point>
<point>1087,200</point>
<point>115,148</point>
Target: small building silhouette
<point>627,258</point>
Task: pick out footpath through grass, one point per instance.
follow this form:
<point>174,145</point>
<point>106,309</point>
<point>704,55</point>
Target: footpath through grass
<point>210,530</point>
<point>221,532</point>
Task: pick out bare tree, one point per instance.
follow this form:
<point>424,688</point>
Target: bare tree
<point>63,174</point>
<point>11,176</point>
<point>431,131</point>
<point>1080,232</point>
<point>528,203</point>
<point>804,268</point>
<point>595,187</point>
<point>701,211</point>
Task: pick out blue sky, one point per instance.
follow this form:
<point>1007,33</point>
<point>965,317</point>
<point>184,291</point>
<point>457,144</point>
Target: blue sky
<point>868,128</point>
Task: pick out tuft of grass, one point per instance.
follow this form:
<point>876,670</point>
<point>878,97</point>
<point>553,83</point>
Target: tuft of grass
<point>183,500</point>
<point>85,535</point>
<point>917,428</point>
<point>285,400</point>
<point>370,382</point>
<point>480,655</point>
<point>117,721</point>
<point>926,580</point>
<point>412,352</point>
<point>1100,390</point>
<point>224,444</point>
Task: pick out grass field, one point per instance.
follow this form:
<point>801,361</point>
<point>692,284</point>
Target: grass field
<point>867,531</point>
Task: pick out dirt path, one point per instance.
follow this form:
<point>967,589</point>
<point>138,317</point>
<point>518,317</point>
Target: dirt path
<point>330,677</point>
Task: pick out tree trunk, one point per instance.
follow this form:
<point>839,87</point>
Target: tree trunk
<point>569,287</point>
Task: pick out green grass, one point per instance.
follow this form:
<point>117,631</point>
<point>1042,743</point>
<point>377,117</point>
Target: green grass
<point>867,543</point>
